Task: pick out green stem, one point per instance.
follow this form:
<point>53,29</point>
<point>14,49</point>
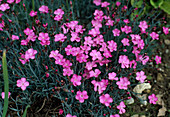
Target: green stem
<point>33,5</point>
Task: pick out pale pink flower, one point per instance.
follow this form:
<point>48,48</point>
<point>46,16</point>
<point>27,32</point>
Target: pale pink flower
<point>81,96</point>
<point>105,99</point>
<point>141,76</point>
<point>158,59</point>
<point>69,50</point>
<point>28,31</point>
<point>90,65</point>
<point>123,83</point>
<point>116,32</point>
<point>30,54</point>
<point>97,2</point>
<point>31,37</point>
<point>118,3</point>
<point>94,32</point>
<point>79,29</point>
<point>76,80</point>
<point>54,54</point>
<point>96,24</point>
<point>135,38</point>
<point>72,24</point>
<point>112,46</point>
<point>33,13</point>
<point>154,36</point>
<point>4,7</point>
<point>126,29</point>
<point>152,99</point>
<point>121,107</point>
<point>88,40</point>
<point>166,30</point>
<point>112,76</point>
<point>43,36</point>
<point>141,44</point>
<point>116,115</point>
<point>14,37</point>
<point>10,1</point>
<point>143,25</point>
<point>75,37</point>
<point>22,83</point>
<point>3,95</point>
<point>105,4</point>
<point>43,9</point>
<point>59,14</point>
<point>125,42</point>
<point>66,63</point>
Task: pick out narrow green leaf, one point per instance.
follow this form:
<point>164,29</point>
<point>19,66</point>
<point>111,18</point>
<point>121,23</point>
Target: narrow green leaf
<point>156,4</point>
<point>25,112</point>
<point>6,82</point>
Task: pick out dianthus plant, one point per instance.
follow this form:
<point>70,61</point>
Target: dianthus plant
<point>88,54</point>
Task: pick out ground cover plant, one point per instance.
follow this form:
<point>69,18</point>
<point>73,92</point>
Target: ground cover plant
<point>86,54</point>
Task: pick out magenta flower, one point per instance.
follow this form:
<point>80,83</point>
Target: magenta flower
<point>94,32</point>
<point>100,86</point>
<point>112,46</point>
<point>59,14</point>
<point>125,42</point>
<point>4,7</point>
<point>123,59</point>
<point>76,80</point>
<point>43,36</point>
<point>116,115</point>
<point>28,31</point>
<point>123,83</point>
<point>88,41</point>
<point>81,96</point>
<point>97,2</point>
<point>90,65</point>
<point>152,99</point>
<point>105,99</point>
<point>95,73</point>
<point>143,25</point>
<point>154,36</point>
<point>126,29</point>
<point>67,64</point>
<point>96,24</point>
<point>67,71</point>
<point>121,108</point>
<point>118,3</point>
<point>135,38</point>
<point>126,21</point>
<point>60,37</point>
<point>116,32</point>
<point>14,37</point>
<point>3,95</point>
<point>22,83</point>
<point>43,9</point>
<point>166,30</point>
<point>72,24</point>
<point>112,76</point>
<point>30,54</point>
<point>158,59</point>
<point>31,37</point>
<point>69,115</point>
<point>33,13</point>
<point>61,111</point>
<point>105,4</point>
<point>69,50</point>
<point>75,37</point>
<point>10,1</point>
<point>141,76</point>
<point>96,55</point>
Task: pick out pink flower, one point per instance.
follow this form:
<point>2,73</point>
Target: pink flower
<point>112,46</point>
<point>123,83</point>
<point>75,37</point>
<point>69,50</point>
<point>61,111</point>
<point>154,36</point>
<point>94,32</point>
<point>72,24</point>
<point>69,115</point>
<point>118,3</point>
<point>28,31</point>
<point>24,42</point>
<point>54,54</point>
<point>143,25</point>
<point>100,86</point>
<point>158,59</point>
<point>140,76</point>
<point>60,37</point>
<point>4,7</point>
<point>33,13</point>
<point>67,64</point>
<point>43,36</point>
<point>96,23</point>
<point>96,55</point>
<point>97,2</point>
<point>30,54</point>
<point>23,60</point>
<point>14,37</point>
<point>116,115</point>
<point>95,73</point>
<point>116,32</point>
<point>90,65</point>
<point>67,71</point>
<point>31,36</point>
<point>121,108</point>
<point>166,30</point>
<point>22,83</point>
<point>135,38</point>
<point>10,1</point>
<point>3,95</point>
<point>43,9</point>
<point>112,76</point>
<point>126,21</point>
<point>76,80</point>
<point>152,99</point>
<point>59,14</point>
<point>88,41</point>
<point>105,4</point>
<point>81,96</point>
<point>17,1</point>
<point>125,42</point>
<point>126,29</point>
<point>105,99</point>
<point>123,59</point>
